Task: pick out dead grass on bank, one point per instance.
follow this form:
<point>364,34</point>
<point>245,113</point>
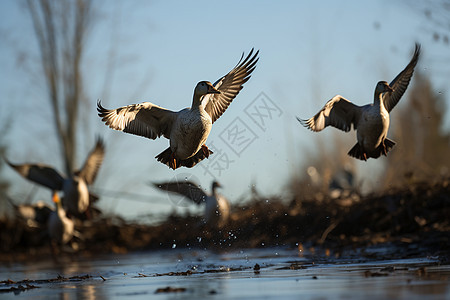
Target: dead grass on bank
<point>413,215</point>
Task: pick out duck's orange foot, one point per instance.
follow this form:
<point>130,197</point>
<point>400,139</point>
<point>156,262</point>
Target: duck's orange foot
<point>172,162</point>
<point>383,148</point>
<point>168,158</point>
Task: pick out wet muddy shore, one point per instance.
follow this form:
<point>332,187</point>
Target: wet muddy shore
<point>411,221</point>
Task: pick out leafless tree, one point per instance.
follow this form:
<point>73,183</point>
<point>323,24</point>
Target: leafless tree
<point>61,29</point>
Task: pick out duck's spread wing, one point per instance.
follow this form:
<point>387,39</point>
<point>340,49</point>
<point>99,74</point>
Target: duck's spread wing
<point>337,112</point>
<point>401,82</point>
<point>229,86</point>
<point>93,163</point>
<point>145,119</point>
<point>186,188</point>
<point>41,174</point>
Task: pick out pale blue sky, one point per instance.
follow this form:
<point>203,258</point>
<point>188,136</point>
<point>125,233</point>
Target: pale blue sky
<point>309,52</point>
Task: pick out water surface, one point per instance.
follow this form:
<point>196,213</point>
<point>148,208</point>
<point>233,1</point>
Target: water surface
<point>282,274</point>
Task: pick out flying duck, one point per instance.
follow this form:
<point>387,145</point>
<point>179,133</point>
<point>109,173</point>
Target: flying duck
<point>370,121</point>
<point>188,128</point>
<point>75,188</point>
<point>217,207</point>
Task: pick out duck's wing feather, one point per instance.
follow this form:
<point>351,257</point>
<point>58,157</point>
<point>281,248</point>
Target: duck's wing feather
<point>41,174</point>
<point>186,188</point>
<point>401,82</point>
<point>337,112</point>
<point>145,119</point>
<point>230,85</point>
<point>93,163</point>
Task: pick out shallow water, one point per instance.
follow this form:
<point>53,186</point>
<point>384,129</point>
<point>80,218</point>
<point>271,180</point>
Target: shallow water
<point>283,274</point>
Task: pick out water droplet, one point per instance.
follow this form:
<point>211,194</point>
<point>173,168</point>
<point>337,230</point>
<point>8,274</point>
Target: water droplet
<point>174,246</point>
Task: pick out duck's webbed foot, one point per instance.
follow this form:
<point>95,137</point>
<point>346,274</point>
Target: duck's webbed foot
<point>173,161</point>
<point>384,151</point>
<point>168,158</point>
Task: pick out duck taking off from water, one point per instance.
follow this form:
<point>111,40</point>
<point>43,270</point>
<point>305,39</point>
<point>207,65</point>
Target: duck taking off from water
<point>217,207</point>
<point>75,187</point>
<point>370,121</point>
<point>188,128</point>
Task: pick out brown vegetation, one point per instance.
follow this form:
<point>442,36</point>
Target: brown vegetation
<point>414,217</point>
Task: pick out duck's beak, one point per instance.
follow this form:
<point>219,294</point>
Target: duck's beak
<point>55,198</point>
<point>212,89</point>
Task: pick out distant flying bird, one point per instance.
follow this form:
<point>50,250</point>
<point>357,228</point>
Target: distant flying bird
<point>75,190</point>
<point>217,207</point>
<point>60,228</point>
<point>188,128</point>
<point>370,121</point>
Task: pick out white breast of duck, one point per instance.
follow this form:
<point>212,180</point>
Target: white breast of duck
<point>191,129</point>
<point>374,123</point>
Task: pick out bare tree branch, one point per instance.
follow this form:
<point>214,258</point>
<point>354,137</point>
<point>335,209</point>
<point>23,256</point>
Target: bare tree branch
<point>60,28</point>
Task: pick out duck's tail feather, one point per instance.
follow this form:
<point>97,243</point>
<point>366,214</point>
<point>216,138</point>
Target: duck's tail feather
<point>388,144</point>
<point>166,157</point>
<point>383,148</point>
<point>357,152</point>
<point>201,154</point>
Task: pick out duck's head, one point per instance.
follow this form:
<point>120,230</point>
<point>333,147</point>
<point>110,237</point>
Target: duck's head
<point>383,87</point>
<point>204,88</point>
